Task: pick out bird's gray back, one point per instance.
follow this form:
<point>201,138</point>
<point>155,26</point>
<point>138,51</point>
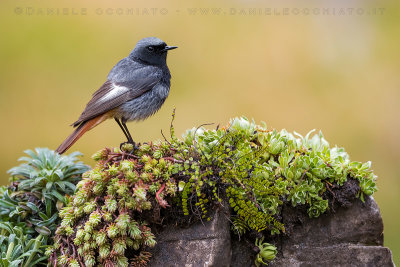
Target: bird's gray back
<point>129,70</point>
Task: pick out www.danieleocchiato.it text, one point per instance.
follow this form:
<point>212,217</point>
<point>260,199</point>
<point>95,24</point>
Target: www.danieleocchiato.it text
<point>203,11</point>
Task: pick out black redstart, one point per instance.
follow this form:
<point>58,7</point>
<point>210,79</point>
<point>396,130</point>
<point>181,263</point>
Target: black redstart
<point>135,89</point>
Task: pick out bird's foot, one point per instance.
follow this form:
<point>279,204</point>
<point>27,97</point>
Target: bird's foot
<point>128,146</point>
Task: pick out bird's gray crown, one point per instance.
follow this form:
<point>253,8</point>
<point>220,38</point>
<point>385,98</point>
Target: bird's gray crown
<point>150,50</point>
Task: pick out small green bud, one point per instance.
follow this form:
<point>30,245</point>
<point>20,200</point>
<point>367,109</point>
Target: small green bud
<point>88,227</point>
<point>112,170</point>
<point>146,177</point>
<point>66,222</point>
<point>104,251</point>
<point>122,221</point>
<point>86,247</point>
<point>79,211</point>
<point>126,165</point>
<point>98,189</point>
<point>122,261</point>
<point>130,203</point>
<point>145,148</point>
<point>145,159</point>
<point>107,217</point>
<point>171,188</point>
<point>146,205</point>
<point>94,218</point>
<point>122,189</point>
<point>134,231</point>
<point>77,242</point>
<point>112,231</point>
<point>49,251</point>
<point>153,162</point>
<point>149,239</point>
<point>101,238</point>
<point>119,246</point>
<point>131,176</point>
<point>156,172</point>
<point>140,193</point>
<point>111,190</point>
<point>89,260</point>
<point>60,230</point>
<point>89,207</point>
<point>65,211</point>
<point>162,163</point>
<point>136,244</point>
<point>127,147</point>
<point>87,237</point>
<point>111,204</point>
<point>73,263</point>
<point>158,154</point>
<point>96,176</point>
<point>100,155</point>
<point>93,245</point>
<point>63,259</point>
<point>69,231</point>
<point>153,188</point>
<point>80,198</point>
<point>129,242</point>
<point>80,251</point>
<point>81,183</point>
<point>147,167</point>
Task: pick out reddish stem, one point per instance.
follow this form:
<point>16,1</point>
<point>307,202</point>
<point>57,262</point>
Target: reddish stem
<point>110,159</point>
<point>161,202</point>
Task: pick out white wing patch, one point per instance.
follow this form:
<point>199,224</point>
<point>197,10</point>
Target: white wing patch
<point>115,91</point>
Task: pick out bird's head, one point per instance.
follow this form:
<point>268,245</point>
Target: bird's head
<point>151,50</point>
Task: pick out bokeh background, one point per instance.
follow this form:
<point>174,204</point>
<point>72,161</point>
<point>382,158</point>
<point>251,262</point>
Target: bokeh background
<point>331,66</point>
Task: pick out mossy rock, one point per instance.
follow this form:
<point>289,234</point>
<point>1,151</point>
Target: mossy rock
<point>133,191</point>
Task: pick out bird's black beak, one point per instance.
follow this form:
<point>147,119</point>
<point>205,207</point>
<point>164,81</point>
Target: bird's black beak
<point>169,48</point>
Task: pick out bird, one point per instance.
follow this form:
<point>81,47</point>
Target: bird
<point>136,88</point>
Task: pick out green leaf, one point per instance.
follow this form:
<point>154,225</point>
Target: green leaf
<point>43,230</point>
<point>58,196</point>
<point>33,207</point>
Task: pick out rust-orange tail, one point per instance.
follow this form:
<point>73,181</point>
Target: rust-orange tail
<point>82,128</point>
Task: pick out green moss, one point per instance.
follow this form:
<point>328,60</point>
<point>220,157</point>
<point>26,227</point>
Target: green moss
<point>255,170</point>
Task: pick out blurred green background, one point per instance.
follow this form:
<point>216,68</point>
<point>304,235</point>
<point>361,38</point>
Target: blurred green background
<point>323,65</point>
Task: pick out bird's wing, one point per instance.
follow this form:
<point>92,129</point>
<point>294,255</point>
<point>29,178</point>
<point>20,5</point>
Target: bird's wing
<point>113,94</point>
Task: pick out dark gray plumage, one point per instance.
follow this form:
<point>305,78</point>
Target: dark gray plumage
<point>135,89</point>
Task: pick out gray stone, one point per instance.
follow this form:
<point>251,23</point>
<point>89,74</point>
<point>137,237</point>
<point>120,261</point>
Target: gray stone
<point>350,236</point>
<point>360,223</point>
<point>203,244</point>
<point>339,255</point>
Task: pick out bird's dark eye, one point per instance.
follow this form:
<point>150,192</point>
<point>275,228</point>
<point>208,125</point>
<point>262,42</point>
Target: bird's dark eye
<point>150,48</point>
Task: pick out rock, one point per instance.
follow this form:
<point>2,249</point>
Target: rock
<point>350,236</point>
<point>205,244</point>
<point>337,255</point>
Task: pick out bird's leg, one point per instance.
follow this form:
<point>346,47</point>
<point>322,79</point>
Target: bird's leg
<point>130,140</point>
<point>125,130</point>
